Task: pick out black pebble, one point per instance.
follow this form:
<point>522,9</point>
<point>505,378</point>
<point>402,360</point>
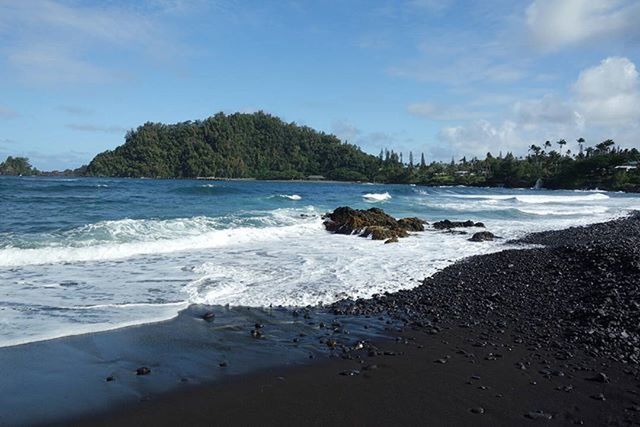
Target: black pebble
<point>143,371</point>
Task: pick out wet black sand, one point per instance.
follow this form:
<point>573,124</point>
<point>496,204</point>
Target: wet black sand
<point>539,335</point>
<point>63,379</point>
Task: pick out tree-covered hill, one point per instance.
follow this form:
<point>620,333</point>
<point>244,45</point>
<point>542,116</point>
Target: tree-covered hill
<point>234,146</point>
<point>17,166</point>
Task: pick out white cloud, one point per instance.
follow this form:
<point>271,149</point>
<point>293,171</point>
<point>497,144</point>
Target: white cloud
<point>480,137</point>
<point>553,24</point>
<point>51,41</point>
<point>605,104</point>
<point>609,93</point>
<point>371,141</point>
<point>464,69</point>
<point>549,109</point>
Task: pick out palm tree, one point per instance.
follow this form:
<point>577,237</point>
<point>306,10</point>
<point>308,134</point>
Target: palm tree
<point>535,150</point>
<point>605,146</point>
<point>589,151</point>
<point>581,145</point>
<point>561,143</point>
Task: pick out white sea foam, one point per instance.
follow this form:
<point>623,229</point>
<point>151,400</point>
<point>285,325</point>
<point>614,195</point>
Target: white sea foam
<point>291,196</point>
<point>537,198</point>
<point>561,211</point>
<point>319,267</point>
<point>376,197</point>
<point>113,240</point>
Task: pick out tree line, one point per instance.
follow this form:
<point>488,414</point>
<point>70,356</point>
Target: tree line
<point>262,146</point>
<point>603,166</point>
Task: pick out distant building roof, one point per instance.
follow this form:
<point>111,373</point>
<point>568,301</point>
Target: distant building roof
<point>315,177</point>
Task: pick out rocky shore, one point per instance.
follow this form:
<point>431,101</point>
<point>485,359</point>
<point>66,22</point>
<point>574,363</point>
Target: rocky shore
<point>581,290</point>
<point>544,334</point>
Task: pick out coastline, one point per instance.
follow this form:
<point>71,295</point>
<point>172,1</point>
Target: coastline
<point>504,338</point>
<point>62,379</point>
<point>326,181</point>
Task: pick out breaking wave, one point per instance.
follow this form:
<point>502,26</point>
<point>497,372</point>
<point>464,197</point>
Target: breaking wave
<point>376,197</point>
<point>112,240</point>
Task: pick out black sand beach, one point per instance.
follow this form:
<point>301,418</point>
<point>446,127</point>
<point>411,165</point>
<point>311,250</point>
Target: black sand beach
<point>545,334</point>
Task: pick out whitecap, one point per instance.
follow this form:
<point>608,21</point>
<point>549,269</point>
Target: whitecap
<point>376,197</point>
<point>113,240</point>
<point>291,196</point>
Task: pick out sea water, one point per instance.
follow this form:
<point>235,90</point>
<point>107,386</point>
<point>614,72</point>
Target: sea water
<point>86,255</point>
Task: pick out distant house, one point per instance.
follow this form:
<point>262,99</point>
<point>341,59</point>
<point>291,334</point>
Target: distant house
<point>627,167</point>
<point>462,173</point>
<point>316,177</point>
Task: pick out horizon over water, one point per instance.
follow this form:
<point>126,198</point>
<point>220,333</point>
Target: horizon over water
<point>84,255</point>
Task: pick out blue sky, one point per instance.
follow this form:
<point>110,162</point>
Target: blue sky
<point>447,78</point>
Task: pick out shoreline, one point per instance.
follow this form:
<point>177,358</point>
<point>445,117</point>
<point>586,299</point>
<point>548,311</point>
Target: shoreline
<point>64,379</point>
<point>326,181</point>
<point>474,348</point>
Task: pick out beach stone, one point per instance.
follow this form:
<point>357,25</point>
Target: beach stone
<point>143,371</point>
<point>483,236</point>
<point>447,224</point>
<point>600,378</point>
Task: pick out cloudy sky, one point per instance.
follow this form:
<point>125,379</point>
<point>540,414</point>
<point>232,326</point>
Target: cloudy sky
<point>441,77</point>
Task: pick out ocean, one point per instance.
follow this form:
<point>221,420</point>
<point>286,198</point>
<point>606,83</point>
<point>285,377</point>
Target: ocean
<point>86,255</point>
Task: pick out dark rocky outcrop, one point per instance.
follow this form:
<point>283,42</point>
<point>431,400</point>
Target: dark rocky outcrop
<point>412,224</point>
<point>447,224</point>
<point>374,223</point>
<point>482,236</point>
